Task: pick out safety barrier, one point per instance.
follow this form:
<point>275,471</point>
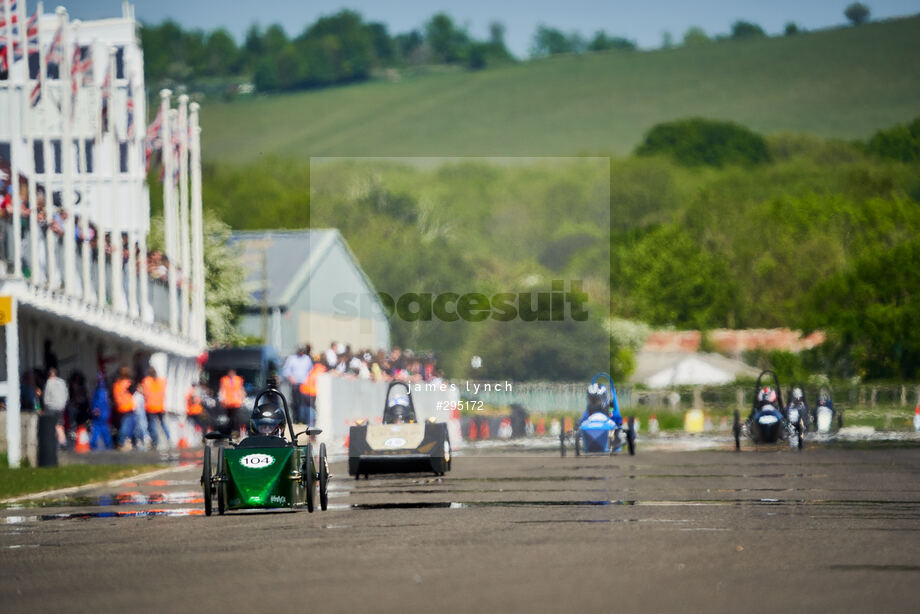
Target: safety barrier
<point>28,436</point>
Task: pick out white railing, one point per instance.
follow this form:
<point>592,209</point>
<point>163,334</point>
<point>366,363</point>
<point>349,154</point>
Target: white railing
<point>151,306</point>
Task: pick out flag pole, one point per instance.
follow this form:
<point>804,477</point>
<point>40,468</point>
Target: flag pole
<point>197,229</point>
<point>50,169</point>
<point>118,292</point>
<point>30,147</point>
<point>101,221</point>
<point>131,200</point>
<point>184,247</point>
<point>46,167</point>
<point>142,197</point>
<point>168,212</point>
<point>82,170</point>
<point>85,255</point>
<point>69,245</point>
<point>15,125</point>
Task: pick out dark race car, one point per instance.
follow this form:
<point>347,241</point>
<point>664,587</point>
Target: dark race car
<point>768,422</point>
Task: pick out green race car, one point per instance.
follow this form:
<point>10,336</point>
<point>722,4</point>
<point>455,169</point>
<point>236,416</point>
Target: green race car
<point>265,470</point>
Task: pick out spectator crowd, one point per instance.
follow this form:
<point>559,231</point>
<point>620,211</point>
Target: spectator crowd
<point>53,219</point>
<point>303,367</point>
<point>128,410</point>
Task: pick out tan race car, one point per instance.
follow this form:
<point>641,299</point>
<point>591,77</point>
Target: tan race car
<point>401,444</point>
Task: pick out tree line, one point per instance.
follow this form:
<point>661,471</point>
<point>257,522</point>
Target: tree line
<point>343,48</point>
<point>335,49</point>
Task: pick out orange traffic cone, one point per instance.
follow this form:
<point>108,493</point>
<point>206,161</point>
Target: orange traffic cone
<point>541,426</point>
<point>82,444</point>
<point>183,440</point>
<point>474,432</point>
<point>484,430</point>
<point>917,417</point>
<point>567,423</point>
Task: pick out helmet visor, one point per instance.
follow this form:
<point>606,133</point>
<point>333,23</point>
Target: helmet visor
<point>268,427</point>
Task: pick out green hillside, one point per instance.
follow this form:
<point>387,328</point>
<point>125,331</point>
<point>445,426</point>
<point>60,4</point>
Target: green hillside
<point>845,83</point>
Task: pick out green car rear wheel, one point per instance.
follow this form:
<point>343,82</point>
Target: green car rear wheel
<point>221,485</point>
<point>309,477</point>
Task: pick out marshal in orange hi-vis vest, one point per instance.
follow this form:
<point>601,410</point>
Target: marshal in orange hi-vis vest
<point>124,402</point>
<point>231,391</point>
<point>154,389</point>
<point>308,387</point>
<point>193,402</point>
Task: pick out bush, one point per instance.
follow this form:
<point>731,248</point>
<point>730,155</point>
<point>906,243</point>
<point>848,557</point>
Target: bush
<point>858,13</point>
<point>746,29</point>
<point>705,142</point>
<point>898,143</point>
<point>695,36</point>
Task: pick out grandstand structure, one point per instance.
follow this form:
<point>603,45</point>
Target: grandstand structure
<point>78,287</point>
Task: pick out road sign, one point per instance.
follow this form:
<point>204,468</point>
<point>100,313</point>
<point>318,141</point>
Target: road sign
<point>6,310</point>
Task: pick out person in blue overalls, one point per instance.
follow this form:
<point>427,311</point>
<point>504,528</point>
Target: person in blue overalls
<point>600,402</point>
<point>100,413</point>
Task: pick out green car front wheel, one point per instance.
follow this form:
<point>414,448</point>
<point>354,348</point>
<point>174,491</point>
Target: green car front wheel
<point>323,478</point>
<point>206,480</point>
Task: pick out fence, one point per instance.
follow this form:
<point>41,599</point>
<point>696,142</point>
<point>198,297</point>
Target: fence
<point>569,397</point>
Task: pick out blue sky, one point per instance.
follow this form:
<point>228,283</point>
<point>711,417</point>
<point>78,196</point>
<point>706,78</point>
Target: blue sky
<point>644,22</point>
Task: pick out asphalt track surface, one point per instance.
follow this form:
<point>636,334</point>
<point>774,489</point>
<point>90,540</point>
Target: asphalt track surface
<point>756,531</point>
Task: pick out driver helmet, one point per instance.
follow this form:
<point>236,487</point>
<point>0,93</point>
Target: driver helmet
<point>797,394</point>
<point>399,410</point>
<point>267,419</point>
<point>597,398</point>
<point>823,397</point>
<point>766,395</point>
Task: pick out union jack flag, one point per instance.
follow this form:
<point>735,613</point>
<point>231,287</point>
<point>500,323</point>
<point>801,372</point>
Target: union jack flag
<point>74,73</point>
<point>8,8</point>
<point>36,94</point>
<point>32,33</point>
<point>129,107</point>
<point>176,139</point>
<point>106,95</point>
<point>4,11</point>
<point>55,53</point>
<point>14,21</point>
<point>82,65</point>
<point>153,141</point>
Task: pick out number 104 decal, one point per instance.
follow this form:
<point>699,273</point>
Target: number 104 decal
<point>257,461</point>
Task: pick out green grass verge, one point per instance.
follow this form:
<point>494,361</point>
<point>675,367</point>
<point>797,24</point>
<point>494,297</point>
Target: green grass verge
<point>844,82</point>
<point>16,482</point>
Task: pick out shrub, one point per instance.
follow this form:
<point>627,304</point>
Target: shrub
<point>898,143</point>
<point>858,13</point>
<point>699,142</point>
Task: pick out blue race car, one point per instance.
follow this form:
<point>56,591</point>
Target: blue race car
<point>600,430</point>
